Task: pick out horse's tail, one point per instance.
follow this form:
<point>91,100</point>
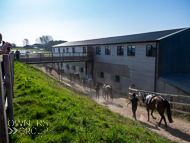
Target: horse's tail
<point>166,104</point>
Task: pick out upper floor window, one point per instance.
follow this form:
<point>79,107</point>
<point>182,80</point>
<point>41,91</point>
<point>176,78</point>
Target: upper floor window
<point>151,50</point>
<point>130,50</point>
<point>107,50</point>
<point>67,50</point>
<point>73,50</point>
<point>84,49</point>
<point>98,50</point>
<point>120,50</point>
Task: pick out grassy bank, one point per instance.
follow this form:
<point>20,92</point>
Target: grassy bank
<point>48,111</point>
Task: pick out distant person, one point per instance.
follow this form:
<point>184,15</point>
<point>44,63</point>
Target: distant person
<point>83,82</point>
<point>17,54</point>
<point>97,88</point>
<point>5,46</point>
<point>134,101</point>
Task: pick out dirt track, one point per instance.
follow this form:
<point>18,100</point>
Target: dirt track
<point>178,131</point>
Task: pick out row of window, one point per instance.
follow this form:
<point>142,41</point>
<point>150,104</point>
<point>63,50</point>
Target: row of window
<point>150,50</point>
<point>114,78</point>
<point>66,50</point>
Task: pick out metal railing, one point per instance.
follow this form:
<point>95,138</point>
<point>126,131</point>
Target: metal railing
<point>54,57</point>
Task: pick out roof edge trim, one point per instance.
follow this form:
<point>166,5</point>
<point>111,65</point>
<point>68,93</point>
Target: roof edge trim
<point>172,33</point>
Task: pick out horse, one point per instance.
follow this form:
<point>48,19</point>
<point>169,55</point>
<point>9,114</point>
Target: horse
<point>48,68</point>
<point>76,76</point>
<point>160,104</point>
<point>107,89</point>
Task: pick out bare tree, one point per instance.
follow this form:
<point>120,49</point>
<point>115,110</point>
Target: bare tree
<point>25,42</point>
<point>38,41</point>
<point>45,40</point>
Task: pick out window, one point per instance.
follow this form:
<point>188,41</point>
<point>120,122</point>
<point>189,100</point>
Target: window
<point>73,67</point>
<point>67,66</point>
<point>73,50</point>
<point>117,78</point>
<point>107,50</point>
<point>81,69</point>
<point>120,50</point>
<point>98,50</point>
<point>67,50</point>
<point>84,50</point>
<point>130,50</point>
<point>151,50</point>
<point>100,74</point>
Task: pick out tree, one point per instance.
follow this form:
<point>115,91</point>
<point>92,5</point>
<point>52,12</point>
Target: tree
<point>25,42</point>
<point>44,40</point>
<point>14,45</point>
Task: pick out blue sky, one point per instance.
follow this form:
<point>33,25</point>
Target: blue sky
<point>74,20</point>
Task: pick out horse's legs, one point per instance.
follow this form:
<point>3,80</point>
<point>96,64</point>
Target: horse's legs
<point>147,112</point>
<point>162,117</point>
<point>152,114</point>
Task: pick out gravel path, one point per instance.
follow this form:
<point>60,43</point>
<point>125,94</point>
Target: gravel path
<point>178,131</point>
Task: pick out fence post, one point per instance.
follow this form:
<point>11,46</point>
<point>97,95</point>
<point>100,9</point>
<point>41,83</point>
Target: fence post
<point>171,100</point>
<point>9,89</point>
<point>3,119</point>
<point>12,68</point>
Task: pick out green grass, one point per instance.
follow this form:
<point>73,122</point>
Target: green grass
<point>42,51</point>
<point>66,115</point>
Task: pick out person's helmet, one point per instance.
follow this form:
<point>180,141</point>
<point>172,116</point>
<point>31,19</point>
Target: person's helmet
<point>133,94</point>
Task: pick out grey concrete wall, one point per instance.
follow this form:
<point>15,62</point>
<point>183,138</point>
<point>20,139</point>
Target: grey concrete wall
<point>140,68</point>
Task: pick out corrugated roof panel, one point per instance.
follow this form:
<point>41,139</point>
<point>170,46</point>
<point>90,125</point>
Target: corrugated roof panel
<point>142,37</point>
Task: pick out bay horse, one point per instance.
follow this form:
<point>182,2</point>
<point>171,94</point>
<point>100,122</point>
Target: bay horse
<point>107,89</point>
<point>160,104</point>
<point>48,68</point>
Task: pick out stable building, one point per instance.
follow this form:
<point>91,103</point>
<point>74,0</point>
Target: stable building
<point>153,61</point>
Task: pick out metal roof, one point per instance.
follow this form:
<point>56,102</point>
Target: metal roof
<point>134,38</point>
